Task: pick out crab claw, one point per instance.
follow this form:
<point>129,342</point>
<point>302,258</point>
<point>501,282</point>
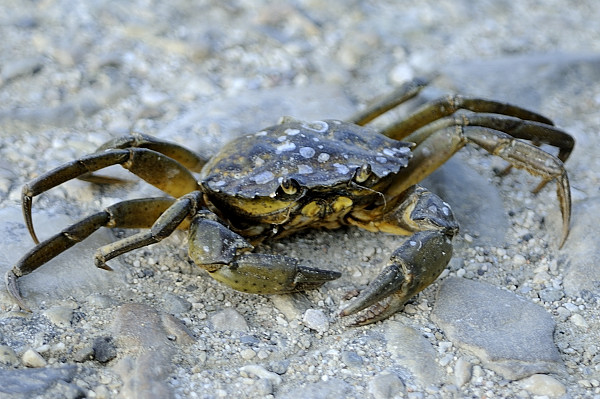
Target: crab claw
<point>271,274</point>
<point>413,267</point>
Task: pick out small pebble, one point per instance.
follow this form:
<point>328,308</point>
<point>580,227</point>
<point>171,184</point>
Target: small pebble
<point>578,320</point>
<point>261,372</point>
<point>386,386</point>
<point>542,384</point>
<point>352,359</point>
<point>462,372</point>
<point>8,356</point>
<point>316,320</point>
<point>247,354</point>
<point>59,315</point>
<point>229,320</point>
<point>84,354</point>
<point>31,358</point>
<point>280,366</point>
<point>519,259</point>
<point>262,355</point>
<point>175,304</point>
<point>104,349</point>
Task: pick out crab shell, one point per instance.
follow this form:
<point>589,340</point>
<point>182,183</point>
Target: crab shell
<point>317,155</point>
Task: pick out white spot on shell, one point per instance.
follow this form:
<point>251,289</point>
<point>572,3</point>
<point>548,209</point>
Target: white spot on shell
<point>323,157</point>
<point>381,159</point>
<point>304,169</point>
<point>341,169</point>
<point>287,146</point>
<point>261,133</point>
<point>263,177</point>
<point>281,138</point>
<point>388,152</point>
<point>307,152</point>
<point>403,150</point>
<point>446,211</point>
<point>258,162</point>
<point>291,132</point>
<point>219,183</point>
<point>316,126</point>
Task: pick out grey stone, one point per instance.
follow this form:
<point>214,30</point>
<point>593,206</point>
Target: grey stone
<point>475,202</point>
<point>138,327</point>
<point>260,372</point>
<point>104,349</point>
<point>292,306</point>
<point>352,359</point>
<point>59,315</point>
<point>27,382</point>
<point>279,366</point>
<point>551,295</point>
<point>316,320</point>
<point>582,253</point>
<point>386,386</point>
<point>543,385</point>
<point>462,372</point>
<point>31,358</point>
<point>254,111</point>
<point>84,354</point>
<point>8,357</point>
<point>545,72</point>
<point>509,334</point>
<point>175,304</point>
<point>414,353</point>
<point>229,320</point>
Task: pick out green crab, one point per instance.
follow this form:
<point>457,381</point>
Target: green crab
<point>298,175</point>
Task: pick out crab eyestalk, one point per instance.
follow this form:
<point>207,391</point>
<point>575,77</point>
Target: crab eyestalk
<point>362,173</point>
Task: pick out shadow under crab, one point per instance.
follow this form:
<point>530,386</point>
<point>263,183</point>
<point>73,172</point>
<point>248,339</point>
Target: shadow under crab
<point>298,175</point>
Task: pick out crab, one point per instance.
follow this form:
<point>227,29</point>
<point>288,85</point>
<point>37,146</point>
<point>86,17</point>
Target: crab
<point>298,175</point>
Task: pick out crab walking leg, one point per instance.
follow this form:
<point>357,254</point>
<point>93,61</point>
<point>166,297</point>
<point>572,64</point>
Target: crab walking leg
<point>518,128</point>
<point>442,144</point>
<point>225,255</point>
<point>163,227</point>
<point>157,169</point>
<point>418,261</point>
<point>402,94</point>
<point>535,132</point>
<point>127,214</point>
<point>446,106</point>
<point>184,156</point>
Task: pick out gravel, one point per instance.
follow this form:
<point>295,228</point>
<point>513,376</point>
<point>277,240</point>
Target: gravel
<point>76,74</point>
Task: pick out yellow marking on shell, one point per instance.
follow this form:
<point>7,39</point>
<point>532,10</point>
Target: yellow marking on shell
<point>252,206</point>
<point>341,203</point>
<point>311,209</point>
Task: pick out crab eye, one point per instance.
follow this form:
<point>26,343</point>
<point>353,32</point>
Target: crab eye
<point>362,173</point>
<point>289,186</point>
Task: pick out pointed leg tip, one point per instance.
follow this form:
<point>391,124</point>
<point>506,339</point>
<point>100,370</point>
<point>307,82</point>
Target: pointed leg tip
<point>100,263</point>
<point>12,287</point>
<point>104,266</point>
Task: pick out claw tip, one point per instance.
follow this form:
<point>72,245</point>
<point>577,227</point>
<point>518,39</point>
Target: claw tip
<point>10,280</point>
